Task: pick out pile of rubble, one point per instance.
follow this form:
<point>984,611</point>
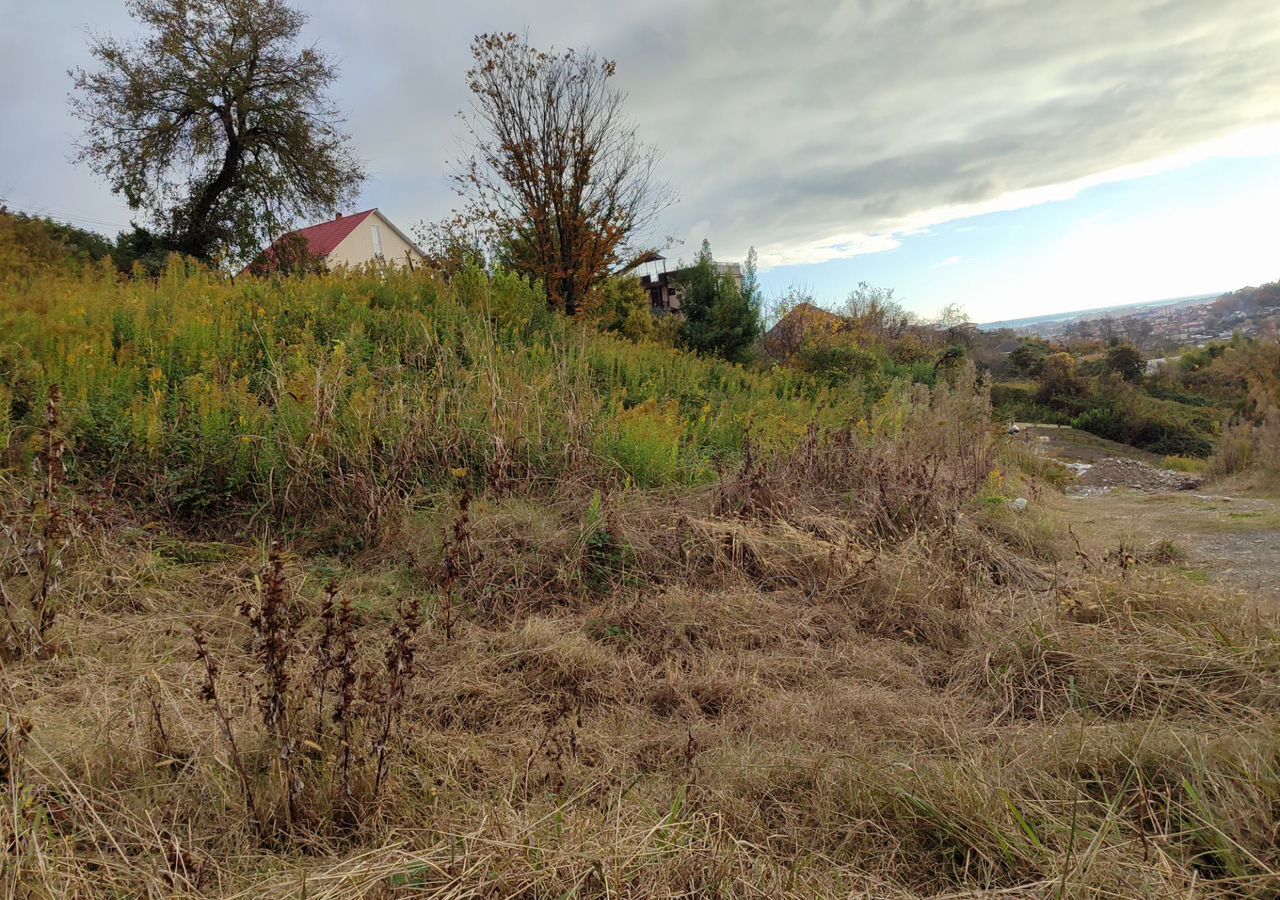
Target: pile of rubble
<point>1120,472</point>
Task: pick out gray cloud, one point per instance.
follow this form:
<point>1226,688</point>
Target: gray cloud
<point>809,129</point>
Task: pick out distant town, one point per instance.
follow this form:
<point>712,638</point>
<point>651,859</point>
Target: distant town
<point>1162,326</point>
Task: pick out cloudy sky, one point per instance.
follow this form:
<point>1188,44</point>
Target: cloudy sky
<point>1015,156</point>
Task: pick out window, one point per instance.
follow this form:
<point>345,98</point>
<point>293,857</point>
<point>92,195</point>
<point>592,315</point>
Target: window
<point>377,242</point>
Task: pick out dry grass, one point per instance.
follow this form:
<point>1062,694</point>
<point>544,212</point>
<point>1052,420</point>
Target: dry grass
<point>833,674</point>
<point>843,667</point>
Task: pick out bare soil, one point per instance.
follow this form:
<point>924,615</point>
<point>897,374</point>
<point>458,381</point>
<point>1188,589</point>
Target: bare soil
<point>1121,496</point>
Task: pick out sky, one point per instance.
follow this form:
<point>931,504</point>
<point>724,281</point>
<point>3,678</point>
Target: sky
<point>1018,157</point>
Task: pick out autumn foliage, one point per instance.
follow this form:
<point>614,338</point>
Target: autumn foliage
<point>557,177</point>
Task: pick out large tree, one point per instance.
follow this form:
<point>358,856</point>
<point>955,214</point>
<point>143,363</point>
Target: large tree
<point>216,124</point>
<point>556,173</point>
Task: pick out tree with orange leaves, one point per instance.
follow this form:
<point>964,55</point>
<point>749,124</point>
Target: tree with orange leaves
<point>557,176</point>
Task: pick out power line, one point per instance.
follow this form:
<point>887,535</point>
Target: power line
<point>55,214</point>
<point>46,211</point>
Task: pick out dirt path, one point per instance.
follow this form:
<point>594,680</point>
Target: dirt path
<point>1120,494</point>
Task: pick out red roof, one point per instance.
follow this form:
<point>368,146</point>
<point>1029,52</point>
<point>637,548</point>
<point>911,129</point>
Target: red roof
<point>324,238</point>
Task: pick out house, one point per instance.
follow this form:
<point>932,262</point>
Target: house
<point>359,239</point>
<point>664,289</point>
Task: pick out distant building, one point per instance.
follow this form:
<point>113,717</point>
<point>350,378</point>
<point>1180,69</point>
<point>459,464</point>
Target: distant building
<point>356,240</point>
<point>664,288</point>
<point>788,335</point>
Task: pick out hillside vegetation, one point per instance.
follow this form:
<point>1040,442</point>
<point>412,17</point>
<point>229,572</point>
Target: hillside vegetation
<point>378,585</point>
<point>32,245</point>
<point>353,393</point>
<point>1182,408</point>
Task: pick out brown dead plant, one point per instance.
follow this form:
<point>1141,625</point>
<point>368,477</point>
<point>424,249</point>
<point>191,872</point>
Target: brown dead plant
<point>37,536</point>
<point>317,755</point>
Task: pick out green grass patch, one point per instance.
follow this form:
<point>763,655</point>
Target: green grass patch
<point>1189,464</point>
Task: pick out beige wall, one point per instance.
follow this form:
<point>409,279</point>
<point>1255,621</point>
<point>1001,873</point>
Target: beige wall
<point>357,248</point>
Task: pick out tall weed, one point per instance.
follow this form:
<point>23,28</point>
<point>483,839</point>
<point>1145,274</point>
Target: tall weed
<point>337,398</point>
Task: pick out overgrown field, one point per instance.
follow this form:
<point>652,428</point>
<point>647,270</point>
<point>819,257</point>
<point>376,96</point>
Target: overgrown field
<point>294,397</point>
<point>360,587</point>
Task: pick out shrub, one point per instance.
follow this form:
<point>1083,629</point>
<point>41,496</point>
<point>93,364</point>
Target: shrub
<point>30,246</point>
<point>513,301</point>
<point>837,357</point>
<point>1126,361</point>
<point>1029,356</point>
<point>644,442</point>
<point>621,305</point>
<point>1058,379</point>
<point>1122,413</point>
<point>1018,403</point>
<point>1244,447</point>
<point>289,255</point>
<point>1104,421</point>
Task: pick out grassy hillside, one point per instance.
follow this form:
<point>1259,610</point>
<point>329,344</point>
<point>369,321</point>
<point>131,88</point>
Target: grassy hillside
<point>356,392</point>
<point>378,586</point>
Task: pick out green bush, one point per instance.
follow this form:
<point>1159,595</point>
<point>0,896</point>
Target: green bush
<point>621,305</point>
<point>836,359</point>
<point>1126,361</point>
<point>1018,403</point>
<point>1157,425</point>
<point>1107,422</point>
<point>645,443</point>
<point>720,318</point>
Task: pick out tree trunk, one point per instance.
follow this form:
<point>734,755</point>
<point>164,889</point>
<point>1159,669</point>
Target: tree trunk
<point>195,238</point>
<point>570,297</point>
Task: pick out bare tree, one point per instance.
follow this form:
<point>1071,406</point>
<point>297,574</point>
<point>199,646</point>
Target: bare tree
<point>216,123</point>
<point>556,172</point>
<point>875,310</point>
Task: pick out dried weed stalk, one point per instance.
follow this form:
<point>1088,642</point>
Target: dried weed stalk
<point>36,541</point>
<point>322,719</point>
<point>461,554</point>
<point>274,637</point>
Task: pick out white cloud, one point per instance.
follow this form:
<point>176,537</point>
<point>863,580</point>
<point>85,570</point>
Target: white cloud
<point>800,126</point>
<point>814,130</point>
<point>839,246</point>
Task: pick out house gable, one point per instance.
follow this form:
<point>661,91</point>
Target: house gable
<point>352,241</point>
<point>374,239</point>
<point>324,238</point>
